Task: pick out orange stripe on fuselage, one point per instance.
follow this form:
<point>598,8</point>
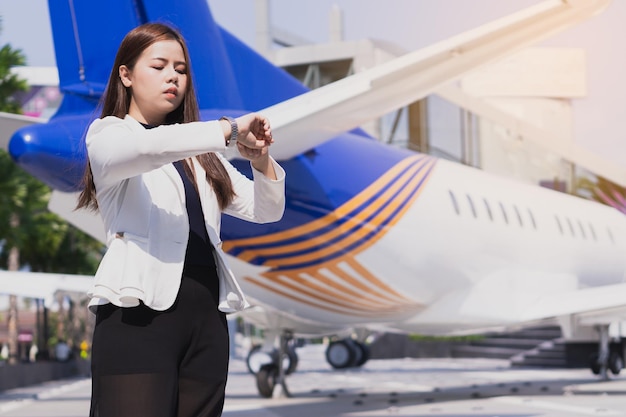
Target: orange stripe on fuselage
<point>320,303</point>
<point>352,222</point>
<point>340,212</point>
<point>386,215</point>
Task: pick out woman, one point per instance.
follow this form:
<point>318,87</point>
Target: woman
<point>155,173</point>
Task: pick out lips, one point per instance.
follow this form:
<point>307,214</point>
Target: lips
<point>172,91</point>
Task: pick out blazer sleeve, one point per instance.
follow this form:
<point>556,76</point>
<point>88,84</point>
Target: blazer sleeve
<point>261,200</point>
<point>121,148</point>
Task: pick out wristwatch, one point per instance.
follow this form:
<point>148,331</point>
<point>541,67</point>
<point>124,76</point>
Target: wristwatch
<point>234,130</point>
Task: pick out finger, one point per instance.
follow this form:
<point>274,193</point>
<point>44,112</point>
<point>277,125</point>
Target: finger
<point>257,142</point>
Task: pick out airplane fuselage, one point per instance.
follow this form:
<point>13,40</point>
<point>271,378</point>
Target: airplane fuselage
<point>424,245</point>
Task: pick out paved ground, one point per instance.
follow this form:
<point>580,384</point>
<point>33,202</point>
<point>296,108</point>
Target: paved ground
<point>402,387</point>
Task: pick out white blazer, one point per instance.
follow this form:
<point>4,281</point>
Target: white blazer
<point>141,198</point>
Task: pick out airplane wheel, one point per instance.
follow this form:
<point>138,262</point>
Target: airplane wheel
<point>616,363</point>
<point>266,380</point>
<point>364,353</point>
<point>593,364</point>
<point>340,354</point>
<point>290,361</point>
<point>257,358</point>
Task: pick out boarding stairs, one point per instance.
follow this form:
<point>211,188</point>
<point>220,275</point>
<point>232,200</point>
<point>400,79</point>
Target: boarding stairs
<point>533,346</point>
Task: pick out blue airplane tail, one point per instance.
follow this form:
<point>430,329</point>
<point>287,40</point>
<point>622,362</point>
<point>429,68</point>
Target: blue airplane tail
<point>229,77</point>
<point>87,36</point>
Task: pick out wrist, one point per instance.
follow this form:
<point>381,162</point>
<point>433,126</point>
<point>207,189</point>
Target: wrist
<point>264,165</point>
<point>260,163</point>
<point>231,130</point>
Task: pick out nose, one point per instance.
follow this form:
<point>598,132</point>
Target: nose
<point>172,76</point>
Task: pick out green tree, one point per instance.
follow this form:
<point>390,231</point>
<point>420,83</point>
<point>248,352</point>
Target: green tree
<point>10,83</point>
<point>47,243</point>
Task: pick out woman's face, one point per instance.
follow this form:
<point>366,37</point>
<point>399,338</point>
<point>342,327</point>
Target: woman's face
<point>158,82</point>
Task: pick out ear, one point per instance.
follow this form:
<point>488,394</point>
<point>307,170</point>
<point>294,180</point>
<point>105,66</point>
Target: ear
<point>124,73</point>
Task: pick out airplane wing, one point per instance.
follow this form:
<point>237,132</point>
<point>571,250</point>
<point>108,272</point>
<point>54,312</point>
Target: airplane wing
<point>63,204</point>
<point>43,285</point>
<point>597,305</point>
<point>312,118</point>
<point>10,122</point>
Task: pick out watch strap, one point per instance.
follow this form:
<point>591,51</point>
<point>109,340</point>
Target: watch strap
<point>234,130</point>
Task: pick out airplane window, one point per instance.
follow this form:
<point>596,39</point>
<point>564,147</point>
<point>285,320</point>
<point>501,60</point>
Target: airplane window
<point>610,235</point>
<point>582,230</point>
<point>558,222</point>
<point>488,209</point>
<point>571,226</point>
<point>593,232</point>
<point>519,216</point>
<point>506,218</point>
<point>471,204</point>
<point>454,204</point>
<point>532,219</point>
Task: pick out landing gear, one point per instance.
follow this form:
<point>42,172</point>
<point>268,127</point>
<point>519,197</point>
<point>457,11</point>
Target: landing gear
<point>266,380</point>
<point>605,360</point>
<point>616,363</point>
<point>347,353</point>
<point>270,371</point>
<point>257,358</point>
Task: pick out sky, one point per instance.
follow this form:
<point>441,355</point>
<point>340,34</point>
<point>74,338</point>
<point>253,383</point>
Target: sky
<point>25,24</point>
<point>411,24</point>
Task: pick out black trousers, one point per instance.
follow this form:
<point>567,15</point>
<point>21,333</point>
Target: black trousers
<point>162,364</point>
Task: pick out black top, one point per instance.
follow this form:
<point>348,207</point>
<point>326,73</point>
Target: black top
<point>199,247</point>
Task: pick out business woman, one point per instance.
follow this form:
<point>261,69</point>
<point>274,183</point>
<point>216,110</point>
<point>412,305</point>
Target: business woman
<point>160,183</point>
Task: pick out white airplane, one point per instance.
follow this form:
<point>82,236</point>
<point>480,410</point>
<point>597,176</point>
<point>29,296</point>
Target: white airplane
<point>374,237</point>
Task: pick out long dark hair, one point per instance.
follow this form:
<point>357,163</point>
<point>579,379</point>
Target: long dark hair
<point>116,102</point>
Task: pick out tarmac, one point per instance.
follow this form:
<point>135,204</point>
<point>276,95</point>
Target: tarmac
<point>390,387</point>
